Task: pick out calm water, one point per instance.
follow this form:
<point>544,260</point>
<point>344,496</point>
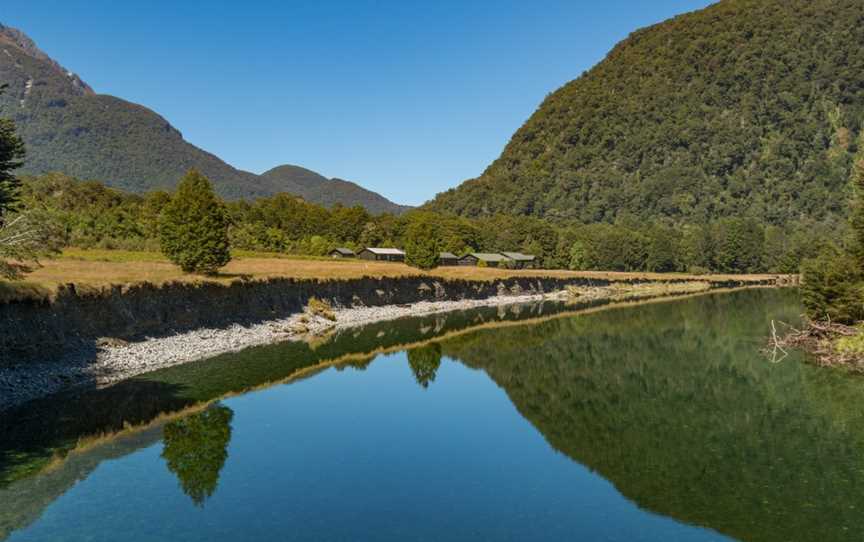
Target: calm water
<point>655,422</point>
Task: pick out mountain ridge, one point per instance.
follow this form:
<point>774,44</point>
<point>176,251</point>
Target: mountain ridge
<point>313,186</point>
<point>68,127</point>
<point>746,108</point>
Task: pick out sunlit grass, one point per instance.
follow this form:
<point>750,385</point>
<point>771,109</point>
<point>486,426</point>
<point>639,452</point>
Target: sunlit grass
<point>99,268</point>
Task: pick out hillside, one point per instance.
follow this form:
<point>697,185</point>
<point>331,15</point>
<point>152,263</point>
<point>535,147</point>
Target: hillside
<point>746,108</point>
<point>67,127</point>
<point>316,188</point>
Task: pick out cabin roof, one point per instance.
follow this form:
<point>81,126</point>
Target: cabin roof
<point>385,251</point>
<point>489,257</point>
<point>448,256</point>
<point>519,257</point>
<point>343,251</point>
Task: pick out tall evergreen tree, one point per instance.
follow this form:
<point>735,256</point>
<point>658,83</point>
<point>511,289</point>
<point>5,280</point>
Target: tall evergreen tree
<point>193,227</point>
<point>857,219</point>
<point>11,158</point>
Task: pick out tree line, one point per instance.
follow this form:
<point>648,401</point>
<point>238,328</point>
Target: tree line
<point>833,281</point>
<point>88,214</point>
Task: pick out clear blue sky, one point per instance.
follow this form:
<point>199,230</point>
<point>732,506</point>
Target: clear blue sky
<point>405,97</point>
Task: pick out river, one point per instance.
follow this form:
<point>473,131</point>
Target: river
<point>655,421</point>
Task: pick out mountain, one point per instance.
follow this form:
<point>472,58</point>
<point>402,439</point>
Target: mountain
<point>746,108</point>
<point>68,127</point>
<point>315,187</point>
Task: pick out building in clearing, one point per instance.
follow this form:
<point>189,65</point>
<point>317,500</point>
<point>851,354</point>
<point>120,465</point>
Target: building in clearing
<point>342,253</point>
<point>382,254</point>
<point>521,261</point>
<point>448,258</point>
<point>488,259</point>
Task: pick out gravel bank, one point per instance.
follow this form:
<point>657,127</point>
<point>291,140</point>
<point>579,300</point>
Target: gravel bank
<point>113,361</point>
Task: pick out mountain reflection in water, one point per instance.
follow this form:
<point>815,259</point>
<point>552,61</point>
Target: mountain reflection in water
<point>670,402</point>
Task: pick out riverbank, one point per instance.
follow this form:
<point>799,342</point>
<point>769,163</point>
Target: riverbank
<point>81,339</point>
<point>95,270</point>
<point>828,344</point>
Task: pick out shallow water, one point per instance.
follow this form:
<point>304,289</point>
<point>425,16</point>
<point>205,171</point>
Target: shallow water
<point>654,422</point>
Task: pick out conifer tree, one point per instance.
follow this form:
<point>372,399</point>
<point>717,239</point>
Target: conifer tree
<point>193,227</point>
<point>11,157</point>
<point>857,218</point>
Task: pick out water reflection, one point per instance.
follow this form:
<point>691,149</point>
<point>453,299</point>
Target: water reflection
<point>425,361</point>
<point>33,436</point>
<point>196,448</point>
<point>669,402</point>
<point>673,404</point>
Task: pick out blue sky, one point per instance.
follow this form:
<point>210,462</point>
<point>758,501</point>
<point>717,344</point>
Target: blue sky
<point>407,98</point>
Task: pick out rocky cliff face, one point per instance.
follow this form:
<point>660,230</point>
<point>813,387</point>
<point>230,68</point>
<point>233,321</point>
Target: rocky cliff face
<point>17,39</point>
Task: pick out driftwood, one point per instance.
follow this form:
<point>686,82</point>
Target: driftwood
<point>817,339</point>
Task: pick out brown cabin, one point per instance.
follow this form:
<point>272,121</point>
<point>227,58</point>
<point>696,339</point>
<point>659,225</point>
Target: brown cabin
<point>446,259</point>
<point>342,253</point>
<point>382,254</point>
<point>521,261</point>
<point>489,259</point>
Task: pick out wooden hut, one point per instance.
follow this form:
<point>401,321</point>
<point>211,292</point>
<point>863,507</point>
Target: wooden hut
<point>382,254</point>
<point>342,253</point>
<point>488,259</point>
<point>447,259</point>
<point>521,261</point>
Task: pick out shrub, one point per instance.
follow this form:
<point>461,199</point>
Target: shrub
<point>193,227</point>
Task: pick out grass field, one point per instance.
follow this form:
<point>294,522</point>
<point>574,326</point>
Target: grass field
<point>101,268</point>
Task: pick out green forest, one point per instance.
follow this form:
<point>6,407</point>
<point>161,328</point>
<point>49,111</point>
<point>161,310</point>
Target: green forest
<point>749,108</point>
<point>88,214</point>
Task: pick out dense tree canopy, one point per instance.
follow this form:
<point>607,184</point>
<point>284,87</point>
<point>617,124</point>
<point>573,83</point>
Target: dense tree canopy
<point>748,109</point>
<point>94,216</point>
<point>833,282</point>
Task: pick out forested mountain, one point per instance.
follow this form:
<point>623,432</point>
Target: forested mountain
<point>67,127</point>
<point>316,188</point>
<point>748,108</point>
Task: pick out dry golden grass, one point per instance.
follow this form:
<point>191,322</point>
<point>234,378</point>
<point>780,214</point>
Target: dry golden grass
<point>99,269</point>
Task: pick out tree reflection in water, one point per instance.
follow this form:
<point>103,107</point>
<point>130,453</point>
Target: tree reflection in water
<point>425,361</point>
<point>196,448</point>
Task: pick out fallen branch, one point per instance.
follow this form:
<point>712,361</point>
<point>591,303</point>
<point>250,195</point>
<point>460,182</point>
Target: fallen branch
<point>819,340</point>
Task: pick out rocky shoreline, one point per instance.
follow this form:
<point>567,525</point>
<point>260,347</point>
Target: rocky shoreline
<point>114,360</point>
<point>117,360</point>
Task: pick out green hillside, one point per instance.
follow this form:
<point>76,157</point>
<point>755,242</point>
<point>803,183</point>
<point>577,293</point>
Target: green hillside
<point>69,128</point>
<point>747,108</point>
<point>316,188</point>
